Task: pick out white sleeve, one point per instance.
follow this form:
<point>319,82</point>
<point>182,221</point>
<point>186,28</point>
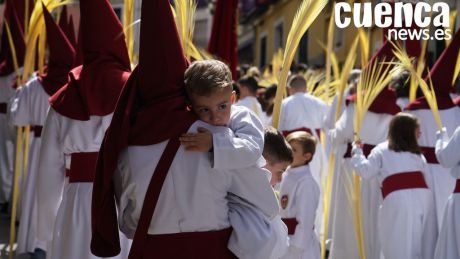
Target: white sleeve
<point>253,186</point>
<point>307,198</point>
<point>343,131</point>
<point>51,177</point>
<point>20,109</point>
<point>367,168</point>
<point>240,145</point>
<point>448,150</point>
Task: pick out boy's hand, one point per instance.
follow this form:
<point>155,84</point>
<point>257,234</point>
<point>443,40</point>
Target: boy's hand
<point>200,142</point>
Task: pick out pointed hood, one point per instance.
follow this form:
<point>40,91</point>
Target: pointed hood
<point>61,56</point>
<point>152,100</point>
<point>223,40</point>
<point>385,102</point>
<point>15,15</point>
<point>67,26</point>
<point>93,88</point>
<point>441,76</point>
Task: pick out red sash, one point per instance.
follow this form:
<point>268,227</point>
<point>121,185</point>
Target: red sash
<point>82,167</point>
<point>206,245</point>
<point>291,224</point>
<point>457,186</point>
<point>3,108</point>
<point>402,181</point>
<point>430,155</point>
<point>287,132</point>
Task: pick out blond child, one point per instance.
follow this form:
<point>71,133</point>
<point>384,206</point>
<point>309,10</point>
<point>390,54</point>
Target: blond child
<point>299,198</point>
<point>236,149</point>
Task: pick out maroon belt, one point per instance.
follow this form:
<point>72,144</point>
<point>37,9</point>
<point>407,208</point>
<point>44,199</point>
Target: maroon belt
<point>82,167</point>
<point>287,132</point>
<point>457,186</point>
<point>366,150</point>
<point>207,245</point>
<point>37,130</point>
<point>291,224</point>
<point>402,181</point>
<point>3,107</point>
<point>430,155</point>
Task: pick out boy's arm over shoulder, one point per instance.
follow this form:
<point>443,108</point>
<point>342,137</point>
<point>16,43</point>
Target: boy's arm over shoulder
<point>243,144</point>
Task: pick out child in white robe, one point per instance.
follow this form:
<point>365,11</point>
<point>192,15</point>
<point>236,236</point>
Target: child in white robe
<point>448,155</point>
<point>407,219</point>
<point>257,232</point>
<point>299,198</point>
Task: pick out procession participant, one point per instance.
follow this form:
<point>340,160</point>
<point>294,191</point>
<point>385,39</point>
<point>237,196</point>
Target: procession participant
<point>80,113</point>
<point>299,198</point>
<point>407,225</point>
<point>29,107</point>
<point>381,111</point>
<point>14,16</point>
<point>448,155</point>
<point>182,211</point>
<point>440,75</point>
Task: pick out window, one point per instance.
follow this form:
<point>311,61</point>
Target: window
<point>278,35</point>
<point>263,50</point>
<point>303,49</point>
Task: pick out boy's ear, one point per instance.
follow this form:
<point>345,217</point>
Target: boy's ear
<point>308,156</point>
<point>233,97</point>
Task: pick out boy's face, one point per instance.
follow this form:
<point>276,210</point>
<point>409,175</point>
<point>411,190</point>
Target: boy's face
<point>214,109</point>
<point>300,157</point>
<point>277,170</point>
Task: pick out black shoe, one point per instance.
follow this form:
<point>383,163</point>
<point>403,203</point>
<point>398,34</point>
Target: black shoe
<point>38,254</point>
<point>4,207</point>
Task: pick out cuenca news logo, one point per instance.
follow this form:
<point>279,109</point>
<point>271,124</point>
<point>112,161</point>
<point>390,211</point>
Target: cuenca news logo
<point>400,17</point>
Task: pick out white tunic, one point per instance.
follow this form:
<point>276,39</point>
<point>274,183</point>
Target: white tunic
<point>407,220</point>
<point>7,140</point>
<point>302,110</point>
<point>252,104</point>
<point>374,130</point>
<point>29,107</point>
<point>439,177</point>
<point>448,154</point>
<point>71,217</point>
<point>193,197</point>
<point>299,197</point>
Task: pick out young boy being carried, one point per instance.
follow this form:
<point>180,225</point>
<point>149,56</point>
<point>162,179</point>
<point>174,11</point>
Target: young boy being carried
<point>257,230</point>
<point>299,198</point>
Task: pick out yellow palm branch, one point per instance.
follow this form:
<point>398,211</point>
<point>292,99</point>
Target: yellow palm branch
<point>405,63</point>
<point>305,16</point>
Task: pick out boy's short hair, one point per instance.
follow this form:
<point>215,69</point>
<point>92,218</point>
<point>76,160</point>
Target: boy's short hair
<point>298,82</point>
<point>249,82</point>
<point>276,149</point>
<point>207,76</point>
<point>305,139</point>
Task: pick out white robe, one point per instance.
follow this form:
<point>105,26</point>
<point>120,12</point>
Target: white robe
<point>448,154</point>
<point>406,220</point>
<point>302,110</point>
<point>193,196</point>
<point>299,197</point>
<point>7,140</point>
<point>29,107</point>
<point>71,218</point>
<point>253,104</point>
<point>374,130</point>
<point>439,177</point>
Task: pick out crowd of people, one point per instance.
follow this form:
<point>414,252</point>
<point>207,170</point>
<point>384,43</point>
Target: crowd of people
<point>177,159</point>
